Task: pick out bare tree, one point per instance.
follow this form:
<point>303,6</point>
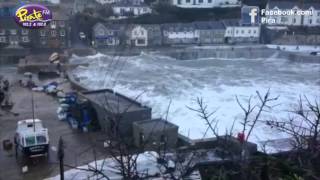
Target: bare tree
<point>252,115</point>
<point>304,128</point>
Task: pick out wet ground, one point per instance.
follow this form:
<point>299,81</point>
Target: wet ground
<point>78,145</point>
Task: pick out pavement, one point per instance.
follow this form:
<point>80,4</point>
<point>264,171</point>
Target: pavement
<point>79,146</point>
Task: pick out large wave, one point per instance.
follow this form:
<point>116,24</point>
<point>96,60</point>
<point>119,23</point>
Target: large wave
<point>217,81</point>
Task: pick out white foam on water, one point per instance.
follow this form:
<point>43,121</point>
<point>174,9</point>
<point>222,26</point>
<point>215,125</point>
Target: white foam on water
<point>215,80</point>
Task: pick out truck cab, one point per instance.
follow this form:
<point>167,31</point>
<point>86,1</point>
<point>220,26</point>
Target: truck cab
<point>31,138</point>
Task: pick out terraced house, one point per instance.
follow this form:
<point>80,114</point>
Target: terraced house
<point>179,33</point>
<point>309,20</point>
<point>56,34</point>
<point>205,3</point>
<point>106,35</point>
<point>127,8</point>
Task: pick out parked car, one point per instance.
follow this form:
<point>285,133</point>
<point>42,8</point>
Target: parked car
<point>82,35</point>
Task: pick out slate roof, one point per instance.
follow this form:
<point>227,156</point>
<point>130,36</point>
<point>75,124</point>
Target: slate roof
<point>204,25</point>
<point>178,26</point>
<point>7,23</point>
<point>155,125</point>
<point>112,101</point>
<point>231,22</point>
<point>129,3</point>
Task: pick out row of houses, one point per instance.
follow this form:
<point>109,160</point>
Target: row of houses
<point>197,33</point>
<point>120,8</point>
<point>310,18</point>
<point>186,3</point>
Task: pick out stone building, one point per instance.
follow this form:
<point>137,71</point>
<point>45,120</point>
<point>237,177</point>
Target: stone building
<point>56,35</point>
<point>116,112</point>
<point>310,20</point>
<point>155,133</point>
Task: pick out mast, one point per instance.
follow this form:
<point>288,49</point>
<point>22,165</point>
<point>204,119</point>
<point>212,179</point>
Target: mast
<point>32,104</point>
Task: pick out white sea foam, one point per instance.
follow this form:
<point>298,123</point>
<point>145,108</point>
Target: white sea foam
<point>216,81</point>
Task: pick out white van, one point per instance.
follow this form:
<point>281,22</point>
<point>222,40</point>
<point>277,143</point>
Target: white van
<point>31,138</point>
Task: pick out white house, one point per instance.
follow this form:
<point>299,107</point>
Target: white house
<point>139,36</point>
<point>130,9</point>
<point>117,1</point>
<point>242,34</point>
<point>180,33</point>
<point>314,19</point>
<point>308,15</point>
<point>107,1</point>
<point>205,3</point>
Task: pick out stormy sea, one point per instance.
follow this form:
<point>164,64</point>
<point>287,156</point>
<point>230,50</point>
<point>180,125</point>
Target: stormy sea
<point>215,75</point>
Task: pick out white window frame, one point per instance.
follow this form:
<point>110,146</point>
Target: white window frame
<point>62,32</point>
<point>13,31</point>
<point>53,33</point>
<point>42,33</point>
<point>25,39</point>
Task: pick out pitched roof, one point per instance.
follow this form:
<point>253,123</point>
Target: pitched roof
<point>178,26</point>
<point>6,23</point>
<point>231,22</point>
<point>203,25</point>
<point>288,4</point>
<point>130,3</point>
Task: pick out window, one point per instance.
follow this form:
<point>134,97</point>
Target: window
<point>62,32</point>
<point>53,24</point>
<point>25,39</point>
<point>188,1</point>
<point>200,1</point>
<point>318,13</point>
<point>294,20</point>
<point>13,31</point>
<point>249,31</point>
<point>242,31</point>
<point>61,23</point>
<point>2,31</point>
<point>141,41</point>
<point>41,139</point>
<point>254,31</point>
<point>310,21</point>
<point>43,42</point>
<point>24,32</point>
<point>53,33</point>
<point>179,1</point>
<point>209,1</point>
<point>42,33</point>
<point>141,137</point>
<point>237,31</point>
<point>101,32</point>
<point>284,19</point>
<point>2,39</point>
<point>30,141</point>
